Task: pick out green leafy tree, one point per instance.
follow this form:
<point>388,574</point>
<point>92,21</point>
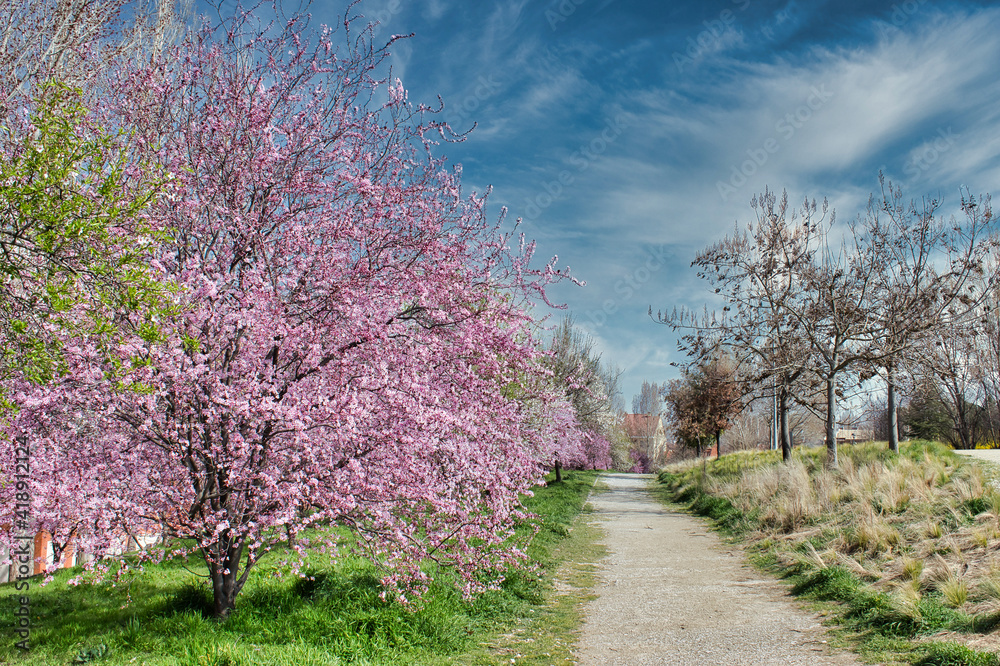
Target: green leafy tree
<point>926,416</point>
<point>74,249</point>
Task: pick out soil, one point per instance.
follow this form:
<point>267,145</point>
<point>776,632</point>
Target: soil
<point>672,592</point>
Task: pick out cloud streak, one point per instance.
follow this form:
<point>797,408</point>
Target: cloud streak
<point>812,97</point>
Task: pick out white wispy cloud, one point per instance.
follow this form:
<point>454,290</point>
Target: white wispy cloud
<point>775,98</point>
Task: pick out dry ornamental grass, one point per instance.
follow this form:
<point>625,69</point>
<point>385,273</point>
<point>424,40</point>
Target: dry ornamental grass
<point>913,540</point>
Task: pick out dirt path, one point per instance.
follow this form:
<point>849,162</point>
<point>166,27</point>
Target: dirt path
<point>673,594</point>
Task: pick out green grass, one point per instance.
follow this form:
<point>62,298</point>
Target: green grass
<point>952,654</point>
<point>333,617</point>
<point>846,540</point>
<point>546,634</point>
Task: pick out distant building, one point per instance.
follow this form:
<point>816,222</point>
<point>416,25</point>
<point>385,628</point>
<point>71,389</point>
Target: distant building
<point>648,434</point>
<point>43,554</point>
<point>853,436</point>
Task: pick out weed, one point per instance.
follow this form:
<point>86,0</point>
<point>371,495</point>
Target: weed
<point>912,567</point>
<point>831,584</point>
<point>906,599</point>
<point>991,587</point>
<point>87,655</point>
<point>192,596</point>
<point>974,506</point>
<point>131,634</point>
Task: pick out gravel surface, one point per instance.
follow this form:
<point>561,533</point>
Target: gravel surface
<point>992,455</point>
<point>673,593</point>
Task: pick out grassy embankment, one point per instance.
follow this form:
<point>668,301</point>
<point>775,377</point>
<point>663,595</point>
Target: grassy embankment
<point>335,617</point>
<point>901,552</point>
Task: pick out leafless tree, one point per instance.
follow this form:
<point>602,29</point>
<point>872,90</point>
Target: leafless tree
<point>648,400</point>
<point>931,274</point>
<point>949,358</point>
<point>646,422</point>
<point>751,429</point>
<point>74,40</point>
<point>756,272</point>
<point>834,317</point>
<point>590,385</point>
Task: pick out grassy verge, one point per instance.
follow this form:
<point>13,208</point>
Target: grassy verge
<point>334,617</point>
<point>899,551</point>
<point>545,636</point>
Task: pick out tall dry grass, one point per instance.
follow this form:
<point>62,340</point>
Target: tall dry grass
<point>908,545</point>
<point>881,511</point>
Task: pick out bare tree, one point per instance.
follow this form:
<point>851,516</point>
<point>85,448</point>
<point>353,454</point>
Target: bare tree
<point>950,360</point>
<point>931,274</point>
<point>756,272</point>
<point>833,312</point>
<point>648,400</point>
<point>875,417</point>
<point>73,40</point>
<point>646,423</point>
<point>590,386</point>
<point>751,429</point>
<point>987,359</point>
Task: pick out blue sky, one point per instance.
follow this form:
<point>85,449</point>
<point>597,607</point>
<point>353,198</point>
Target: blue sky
<point>629,134</point>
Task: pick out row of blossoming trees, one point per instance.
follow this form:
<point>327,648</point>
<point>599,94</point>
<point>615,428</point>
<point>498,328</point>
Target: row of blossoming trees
<point>256,302</point>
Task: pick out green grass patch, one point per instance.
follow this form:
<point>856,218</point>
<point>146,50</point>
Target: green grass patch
<point>952,654</point>
<point>335,616</point>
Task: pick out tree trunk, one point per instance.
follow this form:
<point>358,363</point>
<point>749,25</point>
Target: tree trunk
<point>224,600</point>
<point>831,423</point>
<point>785,433</point>
<point>892,412</point>
<point>224,572</point>
<point>961,422</point>
<point>775,428</point>
<point>718,445</point>
<point>558,472</point>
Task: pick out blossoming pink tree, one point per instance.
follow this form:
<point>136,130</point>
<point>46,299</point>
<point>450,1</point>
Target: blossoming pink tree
<point>568,444</point>
<point>352,325</point>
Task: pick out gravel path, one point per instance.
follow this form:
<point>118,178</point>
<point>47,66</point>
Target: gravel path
<point>991,455</point>
<point>673,594</point>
